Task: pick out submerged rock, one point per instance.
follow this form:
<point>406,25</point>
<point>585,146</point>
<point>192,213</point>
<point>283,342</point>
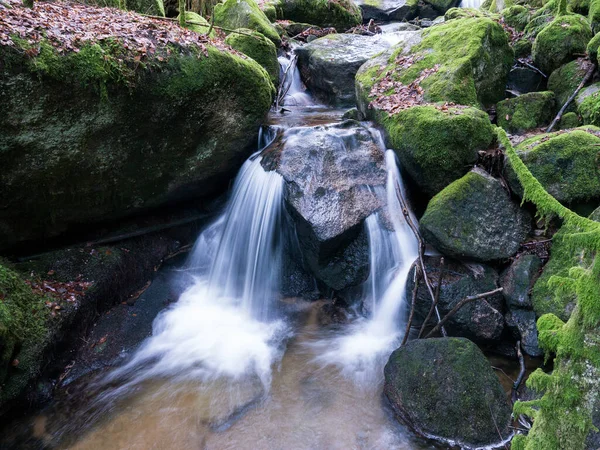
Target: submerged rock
<point>340,14</point>
<point>565,163</point>
<point>446,390</point>
<point>526,111</point>
<point>475,218</point>
<point>328,64</point>
<point>481,320</point>
<point>92,135</point>
<point>331,173</point>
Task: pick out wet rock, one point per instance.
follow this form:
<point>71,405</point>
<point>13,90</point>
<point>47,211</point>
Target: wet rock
<point>522,324</point>
<point>329,64</point>
<point>259,48</point>
<point>574,176</point>
<point>475,218</point>
<point>518,280</point>
<point>341,15</point>
<point>234,14</point>
<point>560,42</point>
<point>388,10</point>
<point>481,320</point>
<point>445,389</point>
<point>522,80</point>
<point>527,111</point>
<point>331,174</point>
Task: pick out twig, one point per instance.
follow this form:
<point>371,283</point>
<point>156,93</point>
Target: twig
<point>458,306</point>
<point>412,306</point>
<point>436,299</point>
<point>587,77</point>
<point>532,67</point>
<point>519,379</point>
<point>496,425</point>
<point>414,229</point>
<point>212,24</point>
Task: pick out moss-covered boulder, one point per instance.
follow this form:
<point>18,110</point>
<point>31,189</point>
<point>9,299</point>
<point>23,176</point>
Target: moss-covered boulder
<point>151,7</point>
<point>23,333</point>
<point>592,48</point>
<point>197,23</point>
<point>465,61</point>
<point>259,48</point>
<point>526,111</point>
<point>565,163</point>
<point>568,121</point>
<point>516,16</point>
<point>475,218</point>
<point>106,132</point>
<point>564,80</point>
<point>588,104</point>
<point>446,389</point>
<point>388,10</point>
<point>480,321</point>
<point>560,42</point>
<point>234,14</point>
<point>339,14</point>
<point>437,146</point>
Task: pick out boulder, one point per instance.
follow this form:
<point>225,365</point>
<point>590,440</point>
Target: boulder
<point>560,42</point>
<point>445,389</point>
<point>234,14</point>
<point>565,163</point>
<point>329,64</point>
<point>475,218</point>
<point>197,23</point>
<point>464,61</point>
<point>331,175</point>
<point>522,80</point>
<point>481,320</point>
<point>516,16</point>
<point>79,146</point>
<point>526,111</point>
<point>437,146</point>
<point>518,280</point>
<point>259,48</point>
<point>588,104</point>
<point>388,10</point>
<point>564,80</point>
<point>569,120</point>
<point>341,14</point>
<point>522,325</point>
<point>592,48</point>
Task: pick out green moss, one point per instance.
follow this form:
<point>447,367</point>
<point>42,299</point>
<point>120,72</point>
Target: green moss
<point>560,42</point>
<point>198,24</point>
<point>569,120</point>
<point>23,317</point>
<point>234,14</point>
<point>437,147</point>
<point>579,6</point>
<point>589,105</point>
<point>259,48</point>
<point>339,14</point>
<point>563,416</point>
<point>461,13</point>
<point>527,111</point>
<point>564,80</point>
<point>516,16</point>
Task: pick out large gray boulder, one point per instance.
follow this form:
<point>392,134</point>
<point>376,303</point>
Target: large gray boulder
<point>445,389</point>
<point>475,218</point>
<point>328,64</point>
<point>481,320</point>
<point>331,174</point>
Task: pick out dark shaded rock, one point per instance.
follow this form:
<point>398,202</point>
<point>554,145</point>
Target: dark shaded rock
<point>522,324</point>
<point>388,10</point>
<point>330,175</point>
<point>328,64</point>
<point>445,389</point>
<point>481,320</point>
<point>475,218</point>
<point>518,280</point>
<point>341,15</point>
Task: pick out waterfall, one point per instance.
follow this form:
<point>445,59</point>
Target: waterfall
<point>225,323</point>
<point>292,87</point>
<point>471,4</point>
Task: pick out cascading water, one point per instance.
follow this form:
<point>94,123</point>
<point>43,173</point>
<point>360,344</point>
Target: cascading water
<point>292,89</point>
<point>471,4</point>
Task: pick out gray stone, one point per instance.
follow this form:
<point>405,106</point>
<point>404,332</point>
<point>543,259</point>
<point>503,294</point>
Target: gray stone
<point>518,280</point>
<point>522,324</point>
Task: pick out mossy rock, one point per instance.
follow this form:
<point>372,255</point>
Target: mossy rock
<point>565,163</point>
<point>579,6</point>
<point>592,48</point>
<point>259,48</point>
<point>437,146</point>
<point>560,42</point>
<point>467,60</point>
<point>23,333</point>
<point>475,218</point>
<point>446,389</point>
<point>526,111</point>
<point>234,14</point>
<point>522,48</point>
<point>120,142</point>
<point>516,16</point>
<point>496,6</point>
<point>339,14</point>
<point>588,104</point>
<point>198,24</point>
<point>568,121</point>
<point>439,6</point>
<point>594,15</point>
<point>150,7</point>
<point>461,13</point>
<point>564,80</point>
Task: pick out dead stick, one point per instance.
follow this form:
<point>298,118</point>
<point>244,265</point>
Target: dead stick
<point>587,77</point>
<point>436,300</point>
<point>519,379</point>
<point>421,247</point>
<point>458,306</point>
<point>412,306</point>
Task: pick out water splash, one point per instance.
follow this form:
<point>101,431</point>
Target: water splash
<point>471,4</point>
<point>295,92</point>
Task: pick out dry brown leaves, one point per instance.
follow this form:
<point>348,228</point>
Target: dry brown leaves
<point>403,96</point>
<point>62,291</point>
<point>68,26</point>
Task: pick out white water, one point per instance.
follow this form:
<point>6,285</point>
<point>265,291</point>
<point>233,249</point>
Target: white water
<point>225,323</point>
<point>471,4</point>
<point>296,92</point>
